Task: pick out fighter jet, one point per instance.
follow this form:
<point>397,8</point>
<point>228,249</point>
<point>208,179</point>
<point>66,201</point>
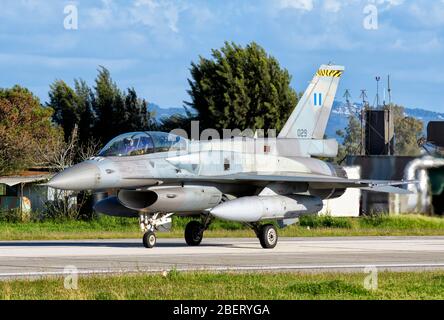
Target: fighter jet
<point>253,180</point>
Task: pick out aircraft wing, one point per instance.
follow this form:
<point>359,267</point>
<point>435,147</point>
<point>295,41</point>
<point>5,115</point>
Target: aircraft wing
<point>315,181</point>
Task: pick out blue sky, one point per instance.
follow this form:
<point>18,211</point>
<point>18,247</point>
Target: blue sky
<point>149,44</point>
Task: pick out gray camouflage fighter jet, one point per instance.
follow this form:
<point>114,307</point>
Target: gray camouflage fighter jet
<point>249,180</point>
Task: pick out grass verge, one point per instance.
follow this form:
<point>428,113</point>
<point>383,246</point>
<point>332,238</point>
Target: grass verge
<point>175,285</point>
<point>310,226</point>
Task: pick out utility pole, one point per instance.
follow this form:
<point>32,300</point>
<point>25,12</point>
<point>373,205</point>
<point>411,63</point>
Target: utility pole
<point>390,119</point>
<point>378,78</point>
<point>389,90</point>
<point>347,97</point>
<point>363,96</point>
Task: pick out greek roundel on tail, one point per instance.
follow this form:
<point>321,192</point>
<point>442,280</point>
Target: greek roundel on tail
<point>309,118</point>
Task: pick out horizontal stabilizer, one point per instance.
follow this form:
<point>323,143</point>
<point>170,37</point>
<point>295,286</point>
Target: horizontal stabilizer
<point>387,189</point>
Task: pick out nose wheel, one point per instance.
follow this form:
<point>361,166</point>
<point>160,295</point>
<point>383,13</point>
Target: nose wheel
<point>150,223</point>
<point>149,239</point>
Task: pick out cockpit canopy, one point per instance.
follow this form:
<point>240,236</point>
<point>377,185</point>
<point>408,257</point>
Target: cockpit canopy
<point>140,143</point>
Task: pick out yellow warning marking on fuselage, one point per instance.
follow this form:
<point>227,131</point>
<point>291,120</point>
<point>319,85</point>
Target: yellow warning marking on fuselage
<point>329,73</point>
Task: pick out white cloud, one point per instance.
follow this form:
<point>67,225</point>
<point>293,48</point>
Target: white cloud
<point>30,11</point>
<point>419,46</point>
<point>160,16</point>
<point>156,13</point>
<point>101,16</point>
<point>391,3</point>
<point>305,5</point>
<point>430,16</point>
<point>202,15</point>
<point>64,62</point>
<point>332,5</point>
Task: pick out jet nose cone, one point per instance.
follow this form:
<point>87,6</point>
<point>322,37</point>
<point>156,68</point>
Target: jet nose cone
<point>82,176</point>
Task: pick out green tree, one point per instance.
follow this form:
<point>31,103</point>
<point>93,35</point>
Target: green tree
<point>117,111</point>
<point>408,131</point>
<point>177,121</point>
<point>100,113</point>
<point>85,98</point>
<point>351,139</point>
<point>26,130</point>
<point>241,88</point>
<point>63,99</point>
<point>137,117</point>
<point>108,106</point>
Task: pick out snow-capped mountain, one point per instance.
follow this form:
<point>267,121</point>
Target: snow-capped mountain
<point>159,112</point>
<point>341,111</point>
<point>338,119</point>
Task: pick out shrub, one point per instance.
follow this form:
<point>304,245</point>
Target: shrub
<point>14,215</point>
<point>327,221</point>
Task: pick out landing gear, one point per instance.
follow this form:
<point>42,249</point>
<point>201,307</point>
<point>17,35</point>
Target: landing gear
<point>149,239</point>
<point>149,224</point>
<point>195,229</point>
<point>267,234</point>
<point>194,233</point>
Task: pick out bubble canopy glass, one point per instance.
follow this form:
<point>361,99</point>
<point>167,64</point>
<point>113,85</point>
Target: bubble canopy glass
<point>140,143</point>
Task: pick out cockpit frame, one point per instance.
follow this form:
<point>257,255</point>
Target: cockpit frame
<point>143,143</point>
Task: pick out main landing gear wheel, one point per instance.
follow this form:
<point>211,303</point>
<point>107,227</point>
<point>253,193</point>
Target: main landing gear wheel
<point>194,233</point>
<point>268,236</point>
<point>149,239</point>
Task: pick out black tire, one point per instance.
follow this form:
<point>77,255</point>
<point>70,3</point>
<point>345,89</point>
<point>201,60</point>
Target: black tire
<point>194,233</point>
<point>149,239</point>
<point>268,236</point>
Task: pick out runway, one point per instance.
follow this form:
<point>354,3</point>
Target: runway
<point>43,258</point>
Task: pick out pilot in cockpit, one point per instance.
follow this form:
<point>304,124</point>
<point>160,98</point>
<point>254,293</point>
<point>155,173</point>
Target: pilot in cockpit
<point>129,145</point>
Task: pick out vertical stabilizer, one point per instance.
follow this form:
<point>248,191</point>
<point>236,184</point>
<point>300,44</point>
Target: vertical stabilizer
<point>309,118</point>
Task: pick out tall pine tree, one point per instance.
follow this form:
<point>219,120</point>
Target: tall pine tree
<point>108,106</point>
<point>241,88</point>
<point>100,113</point>
<point>63,100</point>
<point>85,111</point>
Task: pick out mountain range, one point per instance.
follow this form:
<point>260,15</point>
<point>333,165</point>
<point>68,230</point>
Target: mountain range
<point>338,119</point>
<point>341,111</point>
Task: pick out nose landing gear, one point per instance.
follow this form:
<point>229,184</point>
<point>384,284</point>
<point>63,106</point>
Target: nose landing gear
<point>149,239</point>
<point>149,224</point>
